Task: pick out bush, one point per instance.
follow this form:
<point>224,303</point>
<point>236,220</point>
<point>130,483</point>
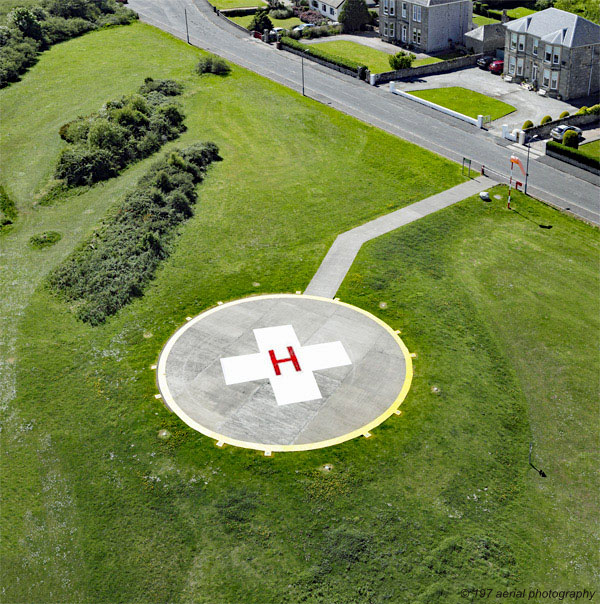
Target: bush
<point>8,210</point>
<point>593,110</point>
<point>281,13</point>
<point>79,165</point>
<point>45,239</point>
<point>545,120</point>
<point>57,29</point>
<point>563,115</point>
<point>320,31</point>
<point>261,21</point>
<point>213,64</point>
<point>401,60</point>
<point>165,87</point>
<point>571,139</point>
<point>575,154</point>
<point>527,124</point>
<point>114,266</point>
<point>307,15</point>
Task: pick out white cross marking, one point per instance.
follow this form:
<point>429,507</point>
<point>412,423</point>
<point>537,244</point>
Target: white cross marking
<point>285,363</point>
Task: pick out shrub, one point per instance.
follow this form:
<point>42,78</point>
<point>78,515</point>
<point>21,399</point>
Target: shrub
<point>307,15</point>
<point>575,154</point>
<point>260,21</point>
<point>75,131</point>
<point>593,110</point>
<point>213,64</point>
<point>527,124</point>
<point>58,29</point>
<point>8,210</point>
<point>45,239</point>
<point>563,115</point>
<point>354,15</point>
<point>570,139</point>
<point>79,165</point>
<point>281,13</point>
<point>401,60</point>
<point>26,22</point>
<point>545,120</point>
<point>114,266</point>
<point>164,87</point>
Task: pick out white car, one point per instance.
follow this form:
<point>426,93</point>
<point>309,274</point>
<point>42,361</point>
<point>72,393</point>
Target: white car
<point>558,132</point>
<point>303,26</point>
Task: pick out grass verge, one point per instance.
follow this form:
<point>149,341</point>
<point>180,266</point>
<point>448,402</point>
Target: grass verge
<point>285,23</point>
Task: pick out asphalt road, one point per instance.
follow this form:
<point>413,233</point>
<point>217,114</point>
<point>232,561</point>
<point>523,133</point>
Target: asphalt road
<point>568,188</point>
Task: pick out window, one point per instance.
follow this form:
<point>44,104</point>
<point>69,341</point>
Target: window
<point>520,67</point>
<point>548,54</point>
<point>556,55</point>
<point>521,42</point>
<point>546,79</point>
<point>513,41</point>
<point>392,7</point>
<point>416,13</point>
<point>511,65</point>
<point>331,11</point>
<point>535,47</point>
<point>554,80</point>
<point>392,29</point>
<point>416,36</point>
<point>315,4</point>
<point>385,6</point>
<point>323,7</point>
<point>385,31</point>
<point>404,8</point>
<point>404,33</point>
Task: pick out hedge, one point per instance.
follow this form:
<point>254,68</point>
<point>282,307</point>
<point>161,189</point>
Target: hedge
<point>575,154</point>
<point>319,54</point>
<point>8,211</point>
<point>112,267</point>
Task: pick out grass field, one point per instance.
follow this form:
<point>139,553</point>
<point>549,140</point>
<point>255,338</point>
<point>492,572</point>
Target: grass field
<point>376,60</point>
<point>465,101</point>
<point>520,11</point>
<point>502,314</point>
<point>591,149</point>
<point>285,23</point>
<point>224,4</point>
<point>96,507</point>
<point>480,20</point>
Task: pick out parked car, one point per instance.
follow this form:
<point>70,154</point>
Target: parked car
<point>558,132</point>
<point>496,66</point>
<point>277,31</point>
<point>484,62</point>
<point>303,26</point>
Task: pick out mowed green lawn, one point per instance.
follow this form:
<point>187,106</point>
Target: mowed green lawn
<point>225,4</point>
<point>591,149</point>
<point>98,508</point>
<point>520,11</point>
<point>376,60</point>
<point>465,101</point>
<point>285,23</point>
<point>480,20</point>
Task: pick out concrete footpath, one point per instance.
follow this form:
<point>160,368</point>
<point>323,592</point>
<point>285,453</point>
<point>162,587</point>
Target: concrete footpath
<point>345,248</point>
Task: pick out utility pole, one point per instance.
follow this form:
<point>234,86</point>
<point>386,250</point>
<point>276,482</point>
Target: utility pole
<point>187,31</point>
<point>302,58</point>
<point>527,167</point>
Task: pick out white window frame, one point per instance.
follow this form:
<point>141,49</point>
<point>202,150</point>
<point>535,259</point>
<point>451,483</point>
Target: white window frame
<point>385,28</point>
<point>521,46</point>
<point>404,8</point>
<point>385,6</point>
<point>417,13</point>
<point>331,11</point>
<point>536,43</point>
<point>392,29</point>
<point>556,56</point>
<point>548,54</point>
<point>404,33</point>
<point>554,80</point>
<point>546,78</point>
<point>513,41</point>
<point>512,63</point>
<point>534,73</point>
<point>416,35</point>
<point>392,7</point>
<point>519,67</point>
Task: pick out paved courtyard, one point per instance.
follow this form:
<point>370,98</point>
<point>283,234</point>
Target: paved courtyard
<point>284,372</point>
<point>529,105</point>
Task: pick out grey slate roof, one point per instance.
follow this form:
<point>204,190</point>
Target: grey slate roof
<point>432,2</point>
<point>556,26</point>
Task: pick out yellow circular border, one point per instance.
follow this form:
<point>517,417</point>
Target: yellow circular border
<point>161,381</point>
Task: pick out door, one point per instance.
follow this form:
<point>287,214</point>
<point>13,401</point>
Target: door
<point>534,73</point>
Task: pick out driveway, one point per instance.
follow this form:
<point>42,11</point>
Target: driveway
<point>528,104</point>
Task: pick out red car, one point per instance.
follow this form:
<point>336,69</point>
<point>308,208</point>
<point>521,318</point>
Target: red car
<point>496,66</point>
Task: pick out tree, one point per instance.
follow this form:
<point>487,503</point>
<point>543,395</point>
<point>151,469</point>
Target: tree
<point>401,60</point>
<point>354,15</point>
<point>571,139</point>
<point>261,21</point>
<point>26,22</point>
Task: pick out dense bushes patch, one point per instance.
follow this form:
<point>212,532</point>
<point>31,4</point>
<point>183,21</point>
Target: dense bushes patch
<point>8,211</point>
<point>115,264</point>
<point>122,132</point>
<point>212,64</point>
<point>34,29</point>
<point>45,239</point>
<point>315,52</point>
<point>576,154</point>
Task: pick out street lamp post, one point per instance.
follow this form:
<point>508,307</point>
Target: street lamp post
<point>302,59</point>
<point>187,31</point>
<point>527,167</point>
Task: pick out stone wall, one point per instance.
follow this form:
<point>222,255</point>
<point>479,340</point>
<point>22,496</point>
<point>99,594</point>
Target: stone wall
<point>572,120</point>
<point>415,72</point>
<point>308,57</point>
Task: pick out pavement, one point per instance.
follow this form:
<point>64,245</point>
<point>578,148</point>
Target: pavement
<point>528,104</point>
<point>284,372</point>
<point>425,127</point>
<point>345,248</point>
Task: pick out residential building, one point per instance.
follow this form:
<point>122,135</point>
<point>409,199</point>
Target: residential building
<point>328,8</point>
<point>425,25</point>
<point>556,51</point>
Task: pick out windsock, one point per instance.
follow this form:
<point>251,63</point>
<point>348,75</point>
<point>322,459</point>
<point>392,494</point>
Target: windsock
<point>515,160</point>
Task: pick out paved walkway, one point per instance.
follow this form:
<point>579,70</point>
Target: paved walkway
<point>345,248</point>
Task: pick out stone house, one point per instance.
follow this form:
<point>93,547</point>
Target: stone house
<point>425,25</point>
<point>328,8</point>
<point>556,51</point>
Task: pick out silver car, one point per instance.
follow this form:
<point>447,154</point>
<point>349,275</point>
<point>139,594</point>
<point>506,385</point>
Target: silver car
<point>558,132</point>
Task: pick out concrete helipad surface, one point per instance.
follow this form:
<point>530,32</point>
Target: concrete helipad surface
<point>284,372</point>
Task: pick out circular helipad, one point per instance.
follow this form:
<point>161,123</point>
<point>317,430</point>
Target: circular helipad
<point>284,372</point>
